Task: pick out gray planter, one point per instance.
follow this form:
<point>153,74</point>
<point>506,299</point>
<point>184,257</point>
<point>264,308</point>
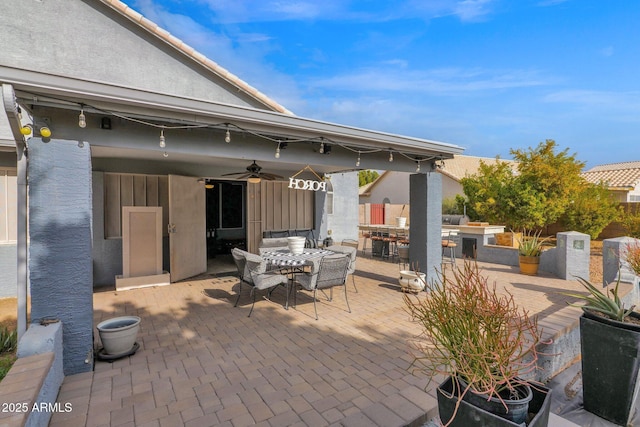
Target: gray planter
<point>118,335</point>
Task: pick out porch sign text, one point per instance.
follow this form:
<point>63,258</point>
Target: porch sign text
<point>307,184</point>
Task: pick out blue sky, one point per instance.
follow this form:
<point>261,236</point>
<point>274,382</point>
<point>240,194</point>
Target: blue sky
<point>487,75</point>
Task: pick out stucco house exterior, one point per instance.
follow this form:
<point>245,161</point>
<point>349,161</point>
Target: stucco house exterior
<point>392,186</point>
<point>622,179</point>
<point>106,113</point>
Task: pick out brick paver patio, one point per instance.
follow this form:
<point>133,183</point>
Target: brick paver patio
<point>203,362</point>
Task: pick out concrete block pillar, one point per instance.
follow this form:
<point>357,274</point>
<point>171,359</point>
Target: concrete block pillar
<point>573,255</point>
<point>425,249</point>
<point>613,253</point>
<point>60,264</point>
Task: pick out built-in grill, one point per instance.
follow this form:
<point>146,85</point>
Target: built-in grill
<point>455,219</point>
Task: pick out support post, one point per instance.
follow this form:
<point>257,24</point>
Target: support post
<point>60,261</point>
<point>425,249</point>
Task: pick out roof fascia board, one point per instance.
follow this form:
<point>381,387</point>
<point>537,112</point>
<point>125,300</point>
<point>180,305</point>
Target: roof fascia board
<point>200,111</point>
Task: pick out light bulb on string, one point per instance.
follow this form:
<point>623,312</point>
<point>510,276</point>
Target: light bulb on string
<point>277,155</point>
<point>162,139</point>
<point>390,156</point>
<point>165,154</point>
<point>227,136</point>
<point>358,161</point>
<point>82,120</point>
<point>321,150</point>
<point>418,168</point>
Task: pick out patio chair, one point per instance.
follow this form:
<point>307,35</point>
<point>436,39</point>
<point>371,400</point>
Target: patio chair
<point>349,247</point>
<point>308,234</point>
<point>276,233</point>
<point>252,271</point>
<point>330,272</point>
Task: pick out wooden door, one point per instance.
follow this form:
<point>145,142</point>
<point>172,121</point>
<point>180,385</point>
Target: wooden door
<point>187,227</point>
<point>141,241</point>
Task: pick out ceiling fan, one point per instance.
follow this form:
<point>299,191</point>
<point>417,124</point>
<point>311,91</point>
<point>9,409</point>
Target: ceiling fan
<point>254,174</point>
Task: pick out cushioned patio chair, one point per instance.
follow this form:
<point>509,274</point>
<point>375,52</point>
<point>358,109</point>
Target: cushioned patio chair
<point>329,272</point>
<point>252,271</point>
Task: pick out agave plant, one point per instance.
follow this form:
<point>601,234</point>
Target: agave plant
<point>610,306</point>
<point>531,244</point>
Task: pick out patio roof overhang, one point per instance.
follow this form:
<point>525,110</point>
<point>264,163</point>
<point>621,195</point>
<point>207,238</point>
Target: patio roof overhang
<point>46,92</point>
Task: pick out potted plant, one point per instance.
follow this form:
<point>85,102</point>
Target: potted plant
<point>632,257</point>
<point>609,343</point>
<point>530,247</point>
<point>485,345</point>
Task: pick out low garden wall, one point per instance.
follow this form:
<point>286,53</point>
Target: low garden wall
<point>32,384</point>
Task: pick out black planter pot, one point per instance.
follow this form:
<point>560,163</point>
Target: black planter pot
<point>610,365</point>
<point>469,414</point>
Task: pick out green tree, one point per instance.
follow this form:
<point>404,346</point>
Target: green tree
<point>630,220</point>
<point>590,210</point>
<point>450,207</point>
<point>546,188</point>
<point>553,177</point>
<point>367,176</point>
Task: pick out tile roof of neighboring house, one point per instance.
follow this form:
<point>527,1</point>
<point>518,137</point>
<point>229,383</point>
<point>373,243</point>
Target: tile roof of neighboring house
<point>461,166</point>
<point>178,44</point>
<point>624,175</point>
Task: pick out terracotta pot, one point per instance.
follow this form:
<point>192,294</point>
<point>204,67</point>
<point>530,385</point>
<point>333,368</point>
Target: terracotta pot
<point>529,265</point>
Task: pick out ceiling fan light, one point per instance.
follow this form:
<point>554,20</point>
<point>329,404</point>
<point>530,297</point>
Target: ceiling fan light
<point>254,180</point>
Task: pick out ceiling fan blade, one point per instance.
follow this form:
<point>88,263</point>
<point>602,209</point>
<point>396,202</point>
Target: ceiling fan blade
<point>233,173</point>
<point>270,176</point>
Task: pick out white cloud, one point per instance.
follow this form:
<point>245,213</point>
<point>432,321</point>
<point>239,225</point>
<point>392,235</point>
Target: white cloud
<point>443,81</point>
<point>607,51</point>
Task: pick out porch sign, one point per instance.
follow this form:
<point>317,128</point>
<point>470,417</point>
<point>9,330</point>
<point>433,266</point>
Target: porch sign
<point>307,184</point>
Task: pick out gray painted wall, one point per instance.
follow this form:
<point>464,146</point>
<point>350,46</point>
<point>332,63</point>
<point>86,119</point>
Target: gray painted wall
<point>128,55</point>
<point>425,251</point>
<point>60,264</point>
<point>9,275</point>
<point>8,254</point>
<point>343,223</point>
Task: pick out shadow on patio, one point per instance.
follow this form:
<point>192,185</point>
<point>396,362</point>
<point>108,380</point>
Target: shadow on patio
<point>203,362</point>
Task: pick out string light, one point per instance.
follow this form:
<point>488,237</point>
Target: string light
<point>26,130</point>
<point>162,139</point>
<point>165,154</point>
<point>45,132</point>
<point>82,120</point>
<point>325,147</point>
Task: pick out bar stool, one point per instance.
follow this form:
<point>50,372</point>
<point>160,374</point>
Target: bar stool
<point>449,243</point>
<point>366,235</point>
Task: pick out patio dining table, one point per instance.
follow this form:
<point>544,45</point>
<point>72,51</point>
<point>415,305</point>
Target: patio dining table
<point>289,263</point>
